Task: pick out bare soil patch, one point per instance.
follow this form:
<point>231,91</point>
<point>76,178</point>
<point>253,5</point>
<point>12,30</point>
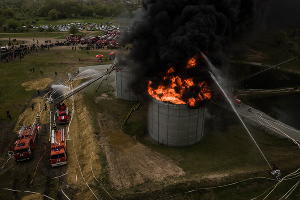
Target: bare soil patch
<point>33,197</point>
<point>28,116</point>
<point>131,163</point>
<point>38,84</point>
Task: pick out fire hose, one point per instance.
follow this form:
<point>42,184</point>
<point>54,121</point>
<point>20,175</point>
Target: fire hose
<point>64,194</point>
<point>222,186</point>
<point>134,108</point>
<point>27,191</point>
<point>269,68</point>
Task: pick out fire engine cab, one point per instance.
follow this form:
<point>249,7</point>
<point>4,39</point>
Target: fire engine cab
<point>62,114</point>
<point>26,141</point>
<point>58,155</point>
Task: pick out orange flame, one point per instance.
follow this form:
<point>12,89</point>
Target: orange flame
<point>174,91</point>
<point>192,62</point>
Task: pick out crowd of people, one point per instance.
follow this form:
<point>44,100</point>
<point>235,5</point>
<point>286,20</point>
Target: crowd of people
<point>13,52</point>
<point>109,40</point>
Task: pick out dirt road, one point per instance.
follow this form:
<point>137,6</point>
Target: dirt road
<point>33,175</point>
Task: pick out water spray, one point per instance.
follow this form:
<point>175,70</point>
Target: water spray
<point>79,88</point>
<point>213,69</point>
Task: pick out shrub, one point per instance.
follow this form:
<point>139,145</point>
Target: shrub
<point>12,25</point>
<point>53,14</point>
<point>73,30</point>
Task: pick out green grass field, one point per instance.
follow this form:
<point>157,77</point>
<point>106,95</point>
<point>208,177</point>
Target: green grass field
<point>55,35</point>
<point>45,21</point>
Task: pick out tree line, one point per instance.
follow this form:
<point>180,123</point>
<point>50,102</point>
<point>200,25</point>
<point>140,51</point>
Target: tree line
<point>16,14</point>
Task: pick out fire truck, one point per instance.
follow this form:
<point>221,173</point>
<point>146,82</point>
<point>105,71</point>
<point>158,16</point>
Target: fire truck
<point>58,155</point>
<point>26,141</point>
<point>62,114</point>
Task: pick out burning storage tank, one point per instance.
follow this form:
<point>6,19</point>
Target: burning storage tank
<point>124,79</point>
<point>176,113</point>
<point>175,125</point>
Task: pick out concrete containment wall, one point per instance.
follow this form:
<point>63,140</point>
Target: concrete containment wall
<point>124,79</point>
<point>175,125</point>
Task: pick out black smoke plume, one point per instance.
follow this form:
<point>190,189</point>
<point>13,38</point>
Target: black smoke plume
<point>282,14</point>
<point>169,32</point>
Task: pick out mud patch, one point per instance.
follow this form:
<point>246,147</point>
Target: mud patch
<point>39,84</point>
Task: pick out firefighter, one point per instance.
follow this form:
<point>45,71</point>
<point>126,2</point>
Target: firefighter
<point>32,106</point>
<point>8,115</point>
<point>63,106</point>
<point>54,127</point>
<point>45,106</point>
<point>276,172</point>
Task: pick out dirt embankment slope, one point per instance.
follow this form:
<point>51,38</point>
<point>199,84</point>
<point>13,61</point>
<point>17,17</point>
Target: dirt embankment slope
<point>131,163</point>
<point>84,168</point>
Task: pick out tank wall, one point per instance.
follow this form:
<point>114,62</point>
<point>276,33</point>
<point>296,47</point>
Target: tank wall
<point>175,125</point>
<point>124,79</point>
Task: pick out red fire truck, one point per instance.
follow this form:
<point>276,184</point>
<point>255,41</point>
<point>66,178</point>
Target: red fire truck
<point>58,154</point>
<point>62,114</point>
<point>26,141</point>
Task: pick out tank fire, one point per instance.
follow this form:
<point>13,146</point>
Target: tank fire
<point>181,87</point>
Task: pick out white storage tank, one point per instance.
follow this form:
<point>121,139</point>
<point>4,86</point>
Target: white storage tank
<point>124,79</point>
<point>175,125</point>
